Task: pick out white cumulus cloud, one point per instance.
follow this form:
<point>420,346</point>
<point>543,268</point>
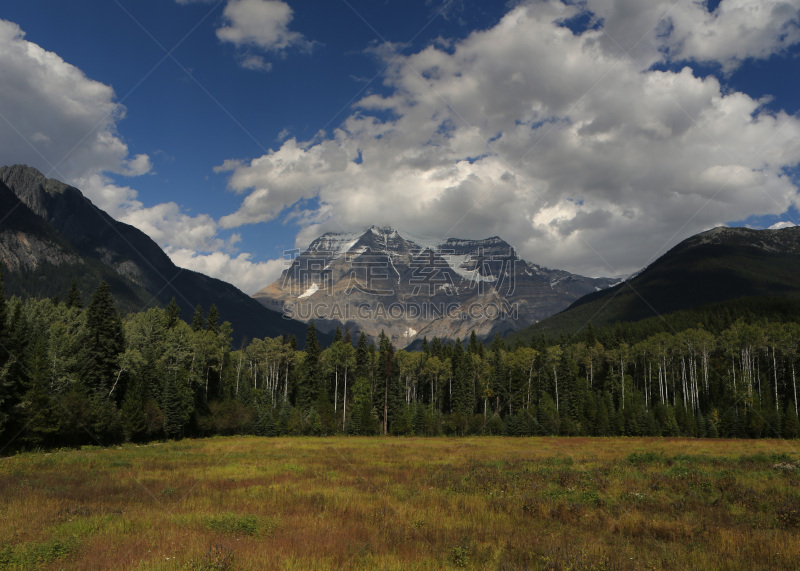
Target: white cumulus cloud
<point>261,23</point>
<point>56,119</point>
<point>248,276</point>
<point>735,31</point>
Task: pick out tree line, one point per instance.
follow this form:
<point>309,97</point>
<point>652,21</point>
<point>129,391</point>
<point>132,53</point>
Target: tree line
<point>73,375</point>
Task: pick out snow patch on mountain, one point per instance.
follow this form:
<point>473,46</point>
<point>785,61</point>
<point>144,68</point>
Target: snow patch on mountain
<point>310,291</point>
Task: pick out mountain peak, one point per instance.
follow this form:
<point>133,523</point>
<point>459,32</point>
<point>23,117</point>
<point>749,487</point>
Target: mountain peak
<point>380,229</point>
<point>389,280</point>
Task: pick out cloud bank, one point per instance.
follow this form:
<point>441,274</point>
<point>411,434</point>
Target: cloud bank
<point>566,142</point>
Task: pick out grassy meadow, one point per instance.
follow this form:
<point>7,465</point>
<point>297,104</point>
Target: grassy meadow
<point>405,503</point>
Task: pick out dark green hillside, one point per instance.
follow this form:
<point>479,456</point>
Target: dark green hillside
<point>51,235</point>
<point>710,269</point>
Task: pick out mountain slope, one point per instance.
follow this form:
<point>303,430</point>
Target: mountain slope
<point>411,287</point>
<point>51,234</point>
<point>712,267</point>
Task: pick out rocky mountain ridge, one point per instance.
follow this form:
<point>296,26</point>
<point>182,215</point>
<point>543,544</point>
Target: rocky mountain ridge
<point>412,287</point>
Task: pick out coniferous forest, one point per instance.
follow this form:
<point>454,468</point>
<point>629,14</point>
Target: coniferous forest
<point>74,374</point>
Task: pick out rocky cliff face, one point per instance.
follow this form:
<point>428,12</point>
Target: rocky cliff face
<point>411,287</point>
<point>50,234</point>
<point>89,230</point>
<point>25,240</point>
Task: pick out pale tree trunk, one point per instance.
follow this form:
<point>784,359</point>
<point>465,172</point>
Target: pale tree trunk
<point>344,401</point>
<point>555,376</point>
<point>239,366</point>
<point>775,371</point>
<point>450,392</point>
<point>119,374</point>
<point>336,388</point>
<point>386,407</point>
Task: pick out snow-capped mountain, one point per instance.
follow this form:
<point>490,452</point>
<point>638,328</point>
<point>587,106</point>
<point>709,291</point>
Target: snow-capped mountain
<point>412,286</point>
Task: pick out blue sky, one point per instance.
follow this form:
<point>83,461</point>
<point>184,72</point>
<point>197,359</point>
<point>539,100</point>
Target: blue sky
<point>591,135</point>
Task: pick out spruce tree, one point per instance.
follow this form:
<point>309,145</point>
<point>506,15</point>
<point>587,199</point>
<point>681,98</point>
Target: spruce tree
<point>198,321</point>
<point>15,374</point>
<point>41,415</point>
<point>173,410</point>
<point>104,341</point>
<point>266,422</point>
<point>387,376</point>
<point>212,321</point>
<point>134,418</point>
<point>310,374</point>
<point>497,343</point>
<point>3,324</point>
<point>791,424</point>
<point>463,398</point>
<point>475,348</point>
<point>173,313</point>
<point>362,357</point>
<point>74,296</point>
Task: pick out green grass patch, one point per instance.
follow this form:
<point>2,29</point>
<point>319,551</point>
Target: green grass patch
<point>34,555</point>
<point>239,524</point>
<point>646,458</point>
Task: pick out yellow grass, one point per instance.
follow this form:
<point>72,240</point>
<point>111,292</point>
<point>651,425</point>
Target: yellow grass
<point>488,503</point>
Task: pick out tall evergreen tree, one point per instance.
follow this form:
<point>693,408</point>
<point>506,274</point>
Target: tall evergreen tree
<point>310,375</point>
<point>212,321</point>
<point>388,376</point>
<point>475,348</point>
<point>103,343</point>
<point>436,348</point>
<point>362,357</point>
<point>791,424</point>
<point>6,381</point>
<point>3,323</point>
<point>497,343</point>
<point>173,313</point>
<point>174,417</point>
<point>74,296</point>
<point>41,414</point>
<point>198,321</point>
<point>134,418</point>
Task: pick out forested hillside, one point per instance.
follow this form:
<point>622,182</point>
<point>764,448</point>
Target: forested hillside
<point>732,269</point>
<point>71,375</point>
